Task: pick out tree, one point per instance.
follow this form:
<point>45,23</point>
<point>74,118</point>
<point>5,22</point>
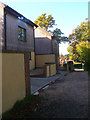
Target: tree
<point>64,56</point>
<point>79,48</point>
<point>45,21</point>
<point>57,33</point>
<point>82,49</point>
<point>81,32</point>
<point>72,51</point>
<point>61,55</point>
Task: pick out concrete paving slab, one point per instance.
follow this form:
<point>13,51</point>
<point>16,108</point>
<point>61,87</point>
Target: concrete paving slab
<point>38,83</point>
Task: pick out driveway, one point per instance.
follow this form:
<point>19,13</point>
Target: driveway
<point>66,98</point>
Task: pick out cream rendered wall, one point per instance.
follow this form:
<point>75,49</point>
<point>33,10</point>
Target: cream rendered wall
<point>32,61</point>
<point>47,71</point>
<point>52,69</point>
<point>13,79</point>
<point>42,59</point>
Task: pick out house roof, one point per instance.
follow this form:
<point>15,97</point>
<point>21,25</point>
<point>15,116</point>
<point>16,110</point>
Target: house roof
<point>2,5</point>
<point>44,31</point>
<point>18,15</point>
<point>47,33</point>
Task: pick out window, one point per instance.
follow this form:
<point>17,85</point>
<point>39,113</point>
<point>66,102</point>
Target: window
<point>21,34</point>
<point>30,56</point>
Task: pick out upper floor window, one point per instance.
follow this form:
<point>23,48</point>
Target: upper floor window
<point>30,56</point>
<point>21,34</point>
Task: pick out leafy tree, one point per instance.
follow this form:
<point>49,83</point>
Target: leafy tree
<point>81,32</point>
<point>45,21</point>
<point>57,33</point>
<point>82,49</point>
<point>80,46</point>
<point>72,51</point>
<point>61,55</point>
<point>64,56</point>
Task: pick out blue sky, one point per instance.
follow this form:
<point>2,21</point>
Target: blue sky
<point>66,14</point>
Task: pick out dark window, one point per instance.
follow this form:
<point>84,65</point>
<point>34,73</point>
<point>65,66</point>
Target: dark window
<point>21,34</point>
<point>30,56</point>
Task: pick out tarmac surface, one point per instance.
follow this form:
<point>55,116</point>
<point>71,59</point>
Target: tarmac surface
<point>66,98</point>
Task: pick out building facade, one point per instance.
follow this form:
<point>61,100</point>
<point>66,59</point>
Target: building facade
<point>46,47</point>
<point>16,46</point>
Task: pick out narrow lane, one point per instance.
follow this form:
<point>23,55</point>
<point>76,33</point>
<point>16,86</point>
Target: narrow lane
<point>66,98</point>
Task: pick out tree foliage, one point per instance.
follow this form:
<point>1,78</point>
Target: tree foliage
<point>79,48</point>
<point>83,50</point>
<point>64,56</point>
<point>81,32</point>
<point>57,33</point>
<point>45,21</point>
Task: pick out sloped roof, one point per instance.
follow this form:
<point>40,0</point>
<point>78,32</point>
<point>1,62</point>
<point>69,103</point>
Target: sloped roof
<point>47,33</point>
<point>44,31</point>
<point>18,15</point>
<point>1,4</point>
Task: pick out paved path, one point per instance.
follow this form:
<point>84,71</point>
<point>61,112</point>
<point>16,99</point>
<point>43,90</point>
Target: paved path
<point>38,83</point>
<point>66,98</point>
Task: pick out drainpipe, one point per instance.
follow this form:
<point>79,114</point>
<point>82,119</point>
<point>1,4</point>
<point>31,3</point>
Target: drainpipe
<point>34,45</point>
<point>52,45</point>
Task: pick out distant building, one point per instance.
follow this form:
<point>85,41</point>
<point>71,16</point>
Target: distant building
<point>46,48</point>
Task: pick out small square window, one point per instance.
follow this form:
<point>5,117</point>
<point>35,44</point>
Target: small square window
<point>30,56</point>
<point>21,34</point>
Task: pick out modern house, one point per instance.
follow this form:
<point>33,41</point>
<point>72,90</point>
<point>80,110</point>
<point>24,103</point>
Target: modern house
<point>46,54</point>
<point>46,48</point>
<point>17,51</point>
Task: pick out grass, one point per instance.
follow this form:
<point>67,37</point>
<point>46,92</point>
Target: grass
<point>22,108</point>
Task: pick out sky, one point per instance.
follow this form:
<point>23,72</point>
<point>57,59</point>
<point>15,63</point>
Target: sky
<point>68,14</point>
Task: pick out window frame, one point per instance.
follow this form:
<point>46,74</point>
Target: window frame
<point>23,31</point>
<point>30,56</point>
